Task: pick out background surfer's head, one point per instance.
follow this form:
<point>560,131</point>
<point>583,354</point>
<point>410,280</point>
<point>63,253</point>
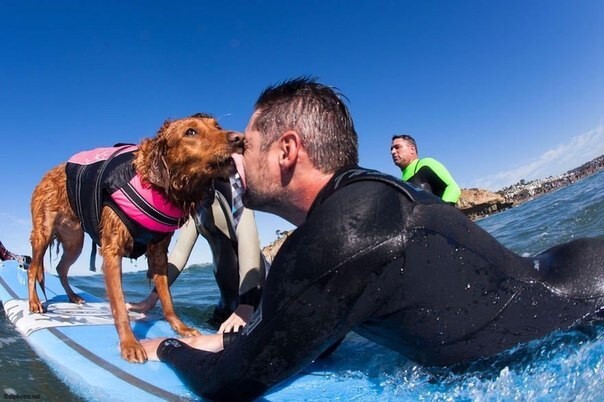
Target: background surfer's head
<point>403,150</point>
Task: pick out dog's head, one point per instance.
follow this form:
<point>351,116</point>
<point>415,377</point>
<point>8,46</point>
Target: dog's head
<point>186,155</point>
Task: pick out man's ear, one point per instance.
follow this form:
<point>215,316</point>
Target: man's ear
<point>290,145</point>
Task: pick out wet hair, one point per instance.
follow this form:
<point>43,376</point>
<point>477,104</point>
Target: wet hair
<point>317,113</point>
<point>202,116</point>
<point>407,138</point>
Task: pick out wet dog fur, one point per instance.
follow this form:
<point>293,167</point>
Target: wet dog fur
<point>181,160</point>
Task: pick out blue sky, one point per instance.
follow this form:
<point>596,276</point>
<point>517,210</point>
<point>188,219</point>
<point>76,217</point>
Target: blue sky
<point>496,90</point>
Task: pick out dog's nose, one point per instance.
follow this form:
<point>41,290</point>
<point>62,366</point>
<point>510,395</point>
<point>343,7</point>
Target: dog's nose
<point>235,137</point>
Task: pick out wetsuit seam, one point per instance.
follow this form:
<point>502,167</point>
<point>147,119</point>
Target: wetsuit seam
<point>475,252</point>
<point>486,324</point>
<point>520,281</point>
<point>491,263</point>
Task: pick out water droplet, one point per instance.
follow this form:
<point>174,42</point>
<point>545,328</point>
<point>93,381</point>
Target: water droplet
<point>536,264</point>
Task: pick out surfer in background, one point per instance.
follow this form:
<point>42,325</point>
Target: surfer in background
<point>239,266</point>
<point>427,173</point>
<point>23,260</point>
<point>374,255</point>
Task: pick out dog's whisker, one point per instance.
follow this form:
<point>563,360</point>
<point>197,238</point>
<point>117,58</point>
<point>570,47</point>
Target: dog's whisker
<point>224,115</point>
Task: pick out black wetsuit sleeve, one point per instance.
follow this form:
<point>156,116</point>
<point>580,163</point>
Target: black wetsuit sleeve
<point>251,297</point>
<point>427,179</point>
<point>331,274</point>
<point>432,176</point>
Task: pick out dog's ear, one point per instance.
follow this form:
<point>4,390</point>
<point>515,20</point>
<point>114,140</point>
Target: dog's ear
<point>158,172</point>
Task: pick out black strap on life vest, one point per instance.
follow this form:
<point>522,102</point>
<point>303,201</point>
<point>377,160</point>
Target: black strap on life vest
<point>98,199</point>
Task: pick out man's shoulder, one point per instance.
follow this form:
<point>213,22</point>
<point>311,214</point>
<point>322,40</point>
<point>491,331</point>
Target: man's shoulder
<point>429,162</point>
<point>359,174</point>
<point>369,177</point>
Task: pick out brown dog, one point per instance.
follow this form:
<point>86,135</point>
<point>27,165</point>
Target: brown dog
<point>129,200</point>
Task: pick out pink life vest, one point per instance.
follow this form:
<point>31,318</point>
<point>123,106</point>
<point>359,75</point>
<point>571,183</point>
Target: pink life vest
<point>106,177</point>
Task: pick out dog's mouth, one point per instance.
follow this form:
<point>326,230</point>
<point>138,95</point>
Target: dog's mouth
<point>221,167</point>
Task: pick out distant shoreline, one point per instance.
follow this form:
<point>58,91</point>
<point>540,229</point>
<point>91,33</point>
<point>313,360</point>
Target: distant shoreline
<point>477,203</point>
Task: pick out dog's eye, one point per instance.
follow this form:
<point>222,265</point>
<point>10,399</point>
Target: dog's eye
<point>191,132</point>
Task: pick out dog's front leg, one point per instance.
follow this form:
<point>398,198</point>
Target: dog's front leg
<point>115,241</point>
<point>157,257</point>
<point>130,347</point>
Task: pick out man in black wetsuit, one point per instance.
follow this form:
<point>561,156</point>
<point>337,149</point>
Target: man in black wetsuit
<point>374,255</point>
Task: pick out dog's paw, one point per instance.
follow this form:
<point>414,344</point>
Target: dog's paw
<point>36,307</point>
<point>133,352</point>
<point>76,299</point>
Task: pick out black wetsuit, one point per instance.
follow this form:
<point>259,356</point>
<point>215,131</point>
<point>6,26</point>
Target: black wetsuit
<point>403,269</point>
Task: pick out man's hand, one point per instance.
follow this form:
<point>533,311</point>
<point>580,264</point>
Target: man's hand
<point>240,317</point>
<point>209,343</point>
<point>150,346</point>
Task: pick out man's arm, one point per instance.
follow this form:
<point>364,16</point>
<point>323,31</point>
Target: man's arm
<point>442,183</point>
<point>251,262</point>
<point>208,343</point>
<point>178,257</point>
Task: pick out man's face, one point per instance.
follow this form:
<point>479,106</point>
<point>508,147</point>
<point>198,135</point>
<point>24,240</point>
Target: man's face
<point>402,153</point>
<point>262,173</point>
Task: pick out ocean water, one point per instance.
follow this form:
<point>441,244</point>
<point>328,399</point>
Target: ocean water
<point>563,366</point>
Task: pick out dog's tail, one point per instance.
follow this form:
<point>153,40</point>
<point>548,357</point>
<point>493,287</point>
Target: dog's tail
<point>40,276</point>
